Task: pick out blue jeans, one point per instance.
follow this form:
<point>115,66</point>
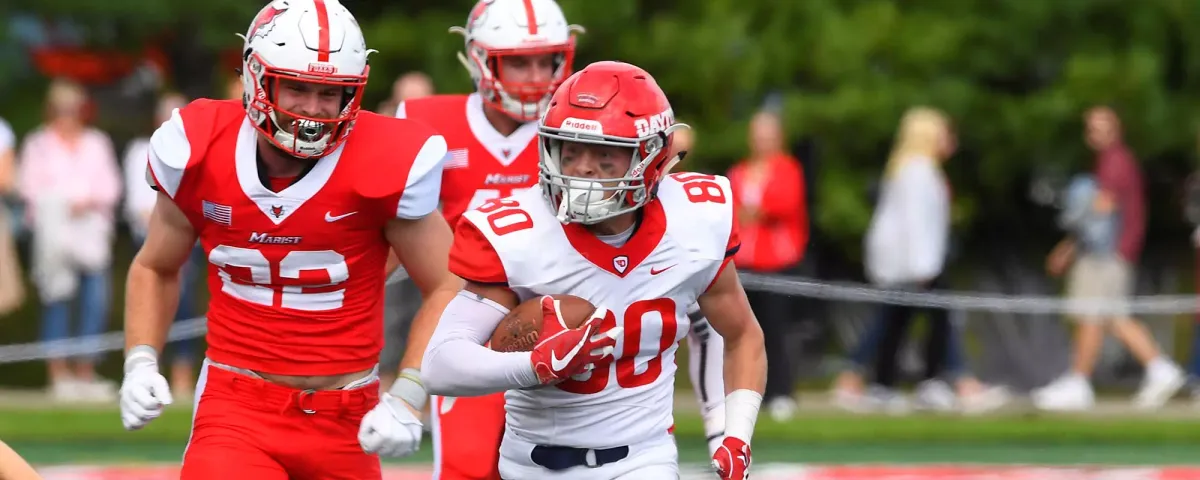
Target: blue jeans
<point>95,297</point>
<point>863,354</point>
<point>185,350</point>
<point>1194,366</point>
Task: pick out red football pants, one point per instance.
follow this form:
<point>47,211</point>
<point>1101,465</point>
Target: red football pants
<point>466,437</point>
<point>248,428</point>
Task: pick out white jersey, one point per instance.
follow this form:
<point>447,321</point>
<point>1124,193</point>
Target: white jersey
<point>682,243</point>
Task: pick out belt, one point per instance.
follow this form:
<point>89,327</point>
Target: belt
<point>561,458</point>
<point>354,401</point>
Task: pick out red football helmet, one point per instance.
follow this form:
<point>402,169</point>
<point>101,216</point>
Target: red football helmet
<point>607,103</point>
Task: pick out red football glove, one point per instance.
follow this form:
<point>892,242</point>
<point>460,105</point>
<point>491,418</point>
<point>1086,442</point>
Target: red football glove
<point>732,460</point>
<point>562,352</point>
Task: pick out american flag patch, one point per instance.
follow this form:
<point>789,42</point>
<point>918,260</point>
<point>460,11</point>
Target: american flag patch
<point>218,213</point>
<point>457,159</point>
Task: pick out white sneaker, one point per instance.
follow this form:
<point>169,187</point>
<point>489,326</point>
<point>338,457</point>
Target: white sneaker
<point>67,391</point>
<point>782,409</point>
<point>99,390</point>
<point>1069,392</point>
<point>850,401</point>
<point>886,400</point>
<point>1159,386</point>
<point>934,395</point>
<point>985,401</point>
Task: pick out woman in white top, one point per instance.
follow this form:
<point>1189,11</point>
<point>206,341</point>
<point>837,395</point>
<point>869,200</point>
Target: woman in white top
<point>906,248</point>
<point>68,176</point>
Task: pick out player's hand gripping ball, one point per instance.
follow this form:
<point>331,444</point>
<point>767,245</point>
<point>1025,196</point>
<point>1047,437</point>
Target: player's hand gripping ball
<point>520,330</point>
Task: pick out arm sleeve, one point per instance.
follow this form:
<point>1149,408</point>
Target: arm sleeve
<point>457,364</point>
<point>424,185</point>
<point>706,364</point>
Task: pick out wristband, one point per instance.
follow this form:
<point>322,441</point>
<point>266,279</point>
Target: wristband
<point>741,413</point>
<point>140,354</point>
<point>408,387</point>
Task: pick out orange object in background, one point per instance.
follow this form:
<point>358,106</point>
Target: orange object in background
<point>93,67</point>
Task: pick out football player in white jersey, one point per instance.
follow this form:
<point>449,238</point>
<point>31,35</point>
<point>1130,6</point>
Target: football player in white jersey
<point>613,227</point>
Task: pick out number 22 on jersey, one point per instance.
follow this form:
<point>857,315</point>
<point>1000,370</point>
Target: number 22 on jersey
<point>246,274</point>
<point>639,316</point>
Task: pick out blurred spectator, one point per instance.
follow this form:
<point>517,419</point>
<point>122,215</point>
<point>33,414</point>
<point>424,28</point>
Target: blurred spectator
<point>683,140</point>
<point>234,88</point>
<point>409,85</point>
<point>1191,211</point>
<point>768,189</point>
<point>412,85</point>
<point>1102,262</point>
<point>69,178</point>
<point>139,203</point>
<point>906,244</point>
<point>907,247</point>
<point>12,286</point>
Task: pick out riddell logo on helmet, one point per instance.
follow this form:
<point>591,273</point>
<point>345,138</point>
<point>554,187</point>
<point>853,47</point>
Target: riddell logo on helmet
<point>654,123</point>
<point>583,126</point>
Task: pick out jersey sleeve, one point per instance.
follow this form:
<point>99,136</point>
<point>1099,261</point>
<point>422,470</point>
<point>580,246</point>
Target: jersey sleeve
<point>734,243</point>
<point>474,258</point>
<point>168,155</point>
<point>423,188</point>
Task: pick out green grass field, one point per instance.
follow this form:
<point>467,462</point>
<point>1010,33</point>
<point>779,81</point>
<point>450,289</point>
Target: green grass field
<point>94,435</point>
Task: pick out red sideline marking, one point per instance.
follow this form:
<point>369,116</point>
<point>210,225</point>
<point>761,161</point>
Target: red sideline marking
<point>767,472</point>
<point>998,472</point>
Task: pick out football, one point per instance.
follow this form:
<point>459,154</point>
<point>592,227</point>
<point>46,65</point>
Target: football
<point>519,330</point>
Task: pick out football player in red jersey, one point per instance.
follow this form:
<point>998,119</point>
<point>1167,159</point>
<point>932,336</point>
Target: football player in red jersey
<point>284,192</point>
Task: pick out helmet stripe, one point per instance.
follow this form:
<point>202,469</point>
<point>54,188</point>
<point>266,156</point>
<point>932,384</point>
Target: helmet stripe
<point>323,36</point>
<point>530,17</point>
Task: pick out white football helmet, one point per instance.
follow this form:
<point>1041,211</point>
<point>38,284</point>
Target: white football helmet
<point>313,41</point>
<point>501,28</point>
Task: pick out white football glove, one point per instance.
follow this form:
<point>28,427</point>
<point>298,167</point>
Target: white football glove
<point>144,391</point>
<point>392,428</point>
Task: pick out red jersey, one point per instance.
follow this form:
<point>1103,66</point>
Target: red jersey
<point>483,163</point>
<point>296,276</point>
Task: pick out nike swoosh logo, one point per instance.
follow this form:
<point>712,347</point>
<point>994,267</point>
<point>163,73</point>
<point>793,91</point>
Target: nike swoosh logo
<point>656,271</point>
<point>330,218</point>
<point>558,364</point>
